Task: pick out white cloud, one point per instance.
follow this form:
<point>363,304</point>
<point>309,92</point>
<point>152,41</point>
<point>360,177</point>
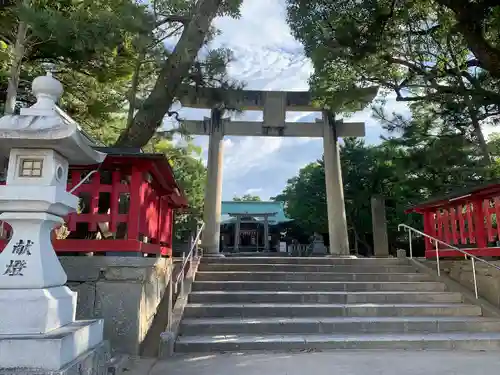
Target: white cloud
<point>253,191</point>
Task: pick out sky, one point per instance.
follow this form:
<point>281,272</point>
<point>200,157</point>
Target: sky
<point>267,57</point>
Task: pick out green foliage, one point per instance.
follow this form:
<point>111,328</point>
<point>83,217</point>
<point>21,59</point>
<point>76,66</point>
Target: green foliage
<point>409,48</point>
<point>305,198</point>
<point>89,45</point>
<point>247,198</point>
<point>109,54</point>
<point>410,168</point>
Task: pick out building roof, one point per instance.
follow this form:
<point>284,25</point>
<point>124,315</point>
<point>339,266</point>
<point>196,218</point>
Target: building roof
<point>461,196</point>
<point>160,168</point>
<point>253,209</point>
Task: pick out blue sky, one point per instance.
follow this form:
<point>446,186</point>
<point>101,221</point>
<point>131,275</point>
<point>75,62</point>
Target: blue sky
<point>269,58</point>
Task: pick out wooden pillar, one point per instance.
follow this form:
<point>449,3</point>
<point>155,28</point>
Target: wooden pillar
<point>134,211</point>
<point>479,229</point>
<point>115,201</point>
<point>94,200</point>
<point>379,224</point>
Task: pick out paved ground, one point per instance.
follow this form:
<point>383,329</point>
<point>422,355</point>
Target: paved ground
<point>323,363</point>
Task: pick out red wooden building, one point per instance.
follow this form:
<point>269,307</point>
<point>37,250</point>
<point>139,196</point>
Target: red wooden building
<point>128,203</point>
<point>467,220</point>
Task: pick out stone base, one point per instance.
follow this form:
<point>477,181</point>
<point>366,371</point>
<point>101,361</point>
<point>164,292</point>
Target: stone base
<point>214,255</point>
<point>318,248</point>
<point>92,362</point>
<point>401,253</point>
<point>35,311</point>
<point>167,344</point>
<point>50,351</point>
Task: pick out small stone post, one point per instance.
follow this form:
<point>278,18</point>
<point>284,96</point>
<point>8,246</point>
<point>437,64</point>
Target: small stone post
<point>379,224</point>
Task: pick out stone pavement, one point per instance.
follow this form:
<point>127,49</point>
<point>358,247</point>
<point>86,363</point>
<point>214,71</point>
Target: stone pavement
<point>323,363</point>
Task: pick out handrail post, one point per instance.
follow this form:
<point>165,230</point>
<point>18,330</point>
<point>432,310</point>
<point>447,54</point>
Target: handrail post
<point>181,290</point>
<point>411,244</point>
<point>474,276</point>
<point>170,295</point>
<point>187,263</point>
<point>437,259</point>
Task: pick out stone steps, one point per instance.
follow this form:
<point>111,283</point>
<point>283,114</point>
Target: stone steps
<point>408,341</point>
<point>426,286</point>
<point>323,297</point>
<point>336,325</point>
<point>308,276</point>
<point>341,268</point>
<point>230,261</point>
<point>280,304</point>
<point>257,310</point>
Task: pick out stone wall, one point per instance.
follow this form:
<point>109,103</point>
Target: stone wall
<point>488,278</point>
<point>125,291</point>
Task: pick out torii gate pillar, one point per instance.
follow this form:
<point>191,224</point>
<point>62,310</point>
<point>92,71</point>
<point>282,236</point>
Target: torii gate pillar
<point>213,192</point>
<point>337,221</point>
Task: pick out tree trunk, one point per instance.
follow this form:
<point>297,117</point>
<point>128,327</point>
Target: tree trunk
<point>150,116</point>
<point>483,146</point>
<point>15,68</point>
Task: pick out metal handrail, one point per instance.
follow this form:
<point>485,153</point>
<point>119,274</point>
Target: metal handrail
<point>173,286</point>
<point>187,259</point>
<point>437,242</point>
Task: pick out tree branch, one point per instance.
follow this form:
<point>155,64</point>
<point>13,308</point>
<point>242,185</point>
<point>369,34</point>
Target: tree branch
<point>470,19</point>
<point>150,116</point>
<point>173,18</point>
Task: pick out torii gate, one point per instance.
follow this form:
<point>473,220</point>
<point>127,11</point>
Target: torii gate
<point>274,104</point>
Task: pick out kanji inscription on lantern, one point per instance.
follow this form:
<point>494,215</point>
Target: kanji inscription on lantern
<point>21,248</point>
<point>15,267</point>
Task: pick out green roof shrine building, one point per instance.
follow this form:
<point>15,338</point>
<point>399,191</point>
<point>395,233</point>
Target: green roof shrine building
<point>251,226</point>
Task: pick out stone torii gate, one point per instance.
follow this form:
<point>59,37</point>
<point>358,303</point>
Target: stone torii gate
<point>274,104</point>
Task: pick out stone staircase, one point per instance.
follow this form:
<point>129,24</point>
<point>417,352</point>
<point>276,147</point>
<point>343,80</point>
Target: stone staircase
<point>253,303</point>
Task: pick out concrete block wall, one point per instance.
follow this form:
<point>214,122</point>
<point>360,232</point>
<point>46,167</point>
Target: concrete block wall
<point>488,278</point>
<point>125,291</point>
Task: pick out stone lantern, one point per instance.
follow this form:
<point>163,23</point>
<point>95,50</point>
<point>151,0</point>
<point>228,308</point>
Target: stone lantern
<point>37,311</point>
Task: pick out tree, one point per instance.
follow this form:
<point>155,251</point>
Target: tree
<point>85,38</point>
<point>409,48</point>
<point>247,198</point>
<point>175,70</point>
<point>112,59</point>
<point>410,168</point>
<point>305,198</point>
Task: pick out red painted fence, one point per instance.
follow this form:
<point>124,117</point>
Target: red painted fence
<point>467,220</point>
